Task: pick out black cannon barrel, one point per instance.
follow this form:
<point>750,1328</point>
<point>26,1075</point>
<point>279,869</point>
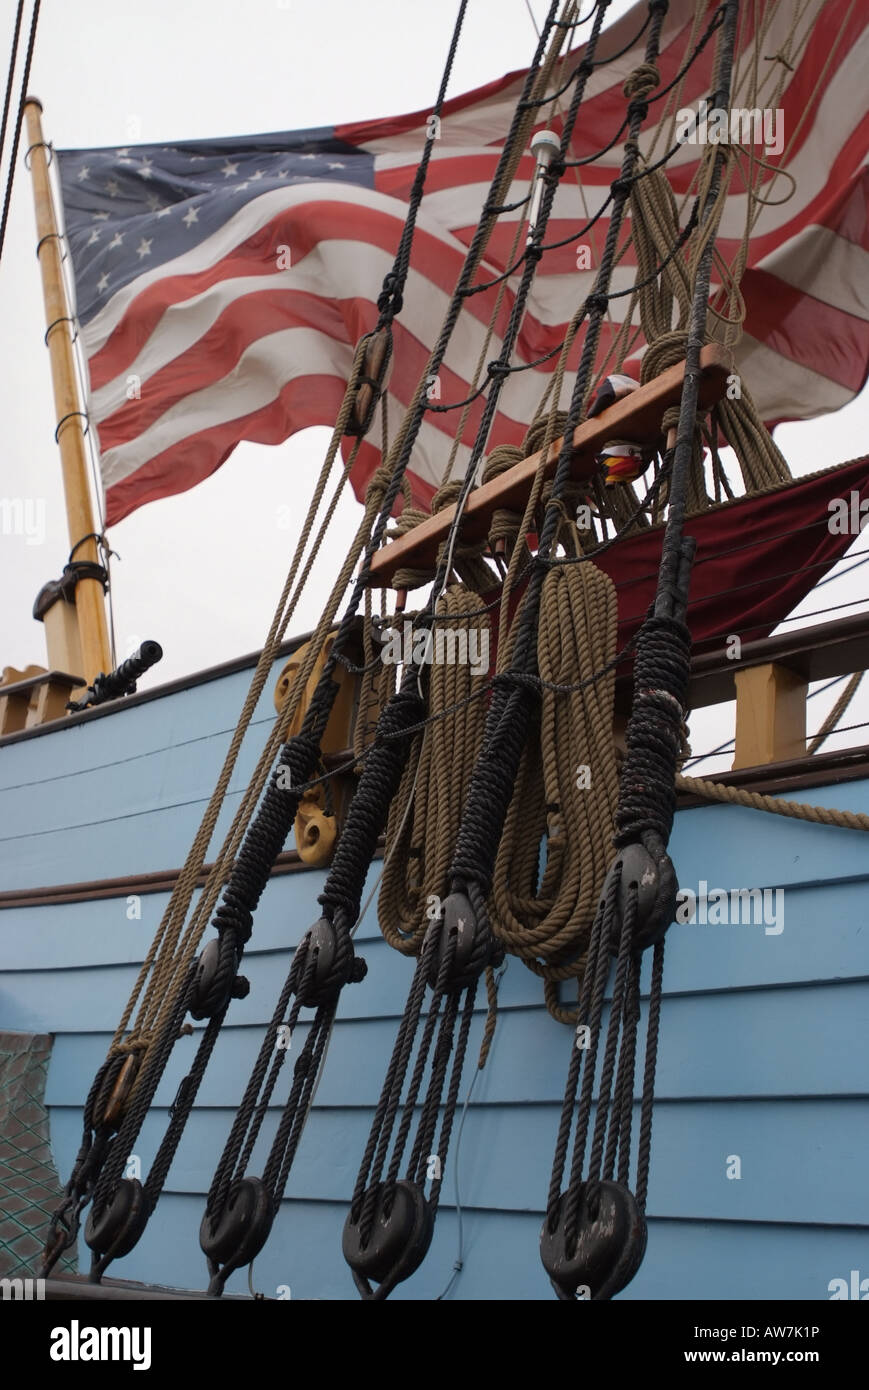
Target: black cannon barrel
<point>121,681</point>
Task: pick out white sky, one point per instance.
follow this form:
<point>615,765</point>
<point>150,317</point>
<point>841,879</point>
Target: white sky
<point>201,572</point>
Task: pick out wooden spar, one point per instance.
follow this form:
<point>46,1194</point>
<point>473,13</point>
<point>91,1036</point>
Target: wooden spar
<point>89,596</point>
<point>636,417</point>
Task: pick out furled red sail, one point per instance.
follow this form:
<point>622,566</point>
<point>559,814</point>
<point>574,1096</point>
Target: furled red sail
<point>222,285</point>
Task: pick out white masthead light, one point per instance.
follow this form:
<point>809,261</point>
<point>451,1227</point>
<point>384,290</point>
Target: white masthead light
<point>544,146</point>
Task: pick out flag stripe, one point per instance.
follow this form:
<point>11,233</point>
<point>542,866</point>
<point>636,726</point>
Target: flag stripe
<point>197,336</point>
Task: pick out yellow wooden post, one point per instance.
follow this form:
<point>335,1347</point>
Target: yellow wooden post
<point>770,715</point>
<point>89,596</point>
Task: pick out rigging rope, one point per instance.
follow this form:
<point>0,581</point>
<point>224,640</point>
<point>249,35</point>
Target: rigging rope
<point>120,1212</point>
<point>169,970</point>
<point>594,1234</point>
<point>390,1222</point>
<point>19,119</point>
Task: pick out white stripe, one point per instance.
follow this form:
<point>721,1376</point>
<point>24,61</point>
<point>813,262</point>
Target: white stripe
<point>786,390</point>
<point>835,270</point>
<point>249,219</point>
<point>488,119</point>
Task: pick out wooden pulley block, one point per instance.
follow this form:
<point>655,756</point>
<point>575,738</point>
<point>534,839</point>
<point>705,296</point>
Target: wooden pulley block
<point>114,1111</point>
<point>338,732</point>
<point>373,377</point>
<point>315,831</point>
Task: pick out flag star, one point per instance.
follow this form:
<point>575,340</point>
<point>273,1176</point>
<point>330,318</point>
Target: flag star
<point>117,240</point>
<point>309,156</point>
<point>335,166</point>
<point>121,153</point>
<point>100,216</point>
<point>197,159</point>
<point>229,169</point>
<point>191,216</point>
<point>102,282</point>
<point>145,168</point>
<point>240,187</point>
<point>144,247</point>
<point>164,212</point>
<point>94,236</point>
<point>258,175</point>
<point>153,201</point>
<point>282,173</point>
<point>83,173</point>
<point>113,188</point>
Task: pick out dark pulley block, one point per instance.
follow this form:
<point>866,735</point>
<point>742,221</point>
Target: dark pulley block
<point>457,917</point>
<point>243,1226</point>
<point>397,1242</point>
<point>656,894</point>
<point>118,1225</point>
<point>325,983</point>
<point>610,1243</point>
<point>201,1005</point>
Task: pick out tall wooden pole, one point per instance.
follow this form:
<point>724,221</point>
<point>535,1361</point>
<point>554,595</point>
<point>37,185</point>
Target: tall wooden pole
<point>89,596</point>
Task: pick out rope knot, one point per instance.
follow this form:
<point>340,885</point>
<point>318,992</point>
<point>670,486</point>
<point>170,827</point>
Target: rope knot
<point>597,303</point>
<point>447,495</point>
<point>642,81</point>
<point>498,369</point>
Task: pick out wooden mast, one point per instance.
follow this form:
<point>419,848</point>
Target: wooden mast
<point>89,596</point>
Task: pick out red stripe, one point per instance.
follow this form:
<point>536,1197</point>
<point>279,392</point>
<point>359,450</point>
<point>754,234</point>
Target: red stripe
<point>806,330</point>
<point>311,400</point>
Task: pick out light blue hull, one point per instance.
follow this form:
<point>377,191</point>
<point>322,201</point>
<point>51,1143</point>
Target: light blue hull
<point>764,1037</point>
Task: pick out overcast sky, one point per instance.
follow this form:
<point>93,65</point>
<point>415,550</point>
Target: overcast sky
<point>201,572</point>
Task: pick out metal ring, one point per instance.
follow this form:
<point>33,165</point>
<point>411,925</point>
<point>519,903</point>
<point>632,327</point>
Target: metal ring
<point>39,144</point>
<point>64,318</point>
<point>48,236</point>
<point>64,418</point>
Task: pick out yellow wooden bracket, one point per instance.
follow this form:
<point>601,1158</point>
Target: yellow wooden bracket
<point>770,715</point>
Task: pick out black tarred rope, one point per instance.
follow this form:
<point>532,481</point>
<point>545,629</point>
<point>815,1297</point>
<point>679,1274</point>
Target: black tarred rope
<point>594,1235</point>
<point>391,298</point>
<point>341,900</point>
<point>25,78</point>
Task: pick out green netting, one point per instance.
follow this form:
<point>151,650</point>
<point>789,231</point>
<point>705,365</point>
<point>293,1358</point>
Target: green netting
<point>29,1185</point>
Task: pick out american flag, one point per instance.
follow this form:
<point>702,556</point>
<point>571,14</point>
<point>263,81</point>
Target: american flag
<point>222,285</point>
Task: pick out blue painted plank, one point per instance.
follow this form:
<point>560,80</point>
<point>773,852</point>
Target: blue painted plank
<point>785,1042</point>
<point>505,1155</point>
<point>825,935</point>
<point>501,1262</point>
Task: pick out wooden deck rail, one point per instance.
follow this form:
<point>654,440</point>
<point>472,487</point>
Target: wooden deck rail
<point>636,417</point>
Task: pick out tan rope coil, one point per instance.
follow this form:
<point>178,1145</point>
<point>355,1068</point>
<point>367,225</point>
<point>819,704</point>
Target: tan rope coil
<point>546,919</point>
<point>420,842</point>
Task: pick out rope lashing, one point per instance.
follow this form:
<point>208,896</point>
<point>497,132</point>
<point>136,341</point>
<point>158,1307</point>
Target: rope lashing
<point>467,557</point>
<point>504,525</point>
<point>594,1234</point>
